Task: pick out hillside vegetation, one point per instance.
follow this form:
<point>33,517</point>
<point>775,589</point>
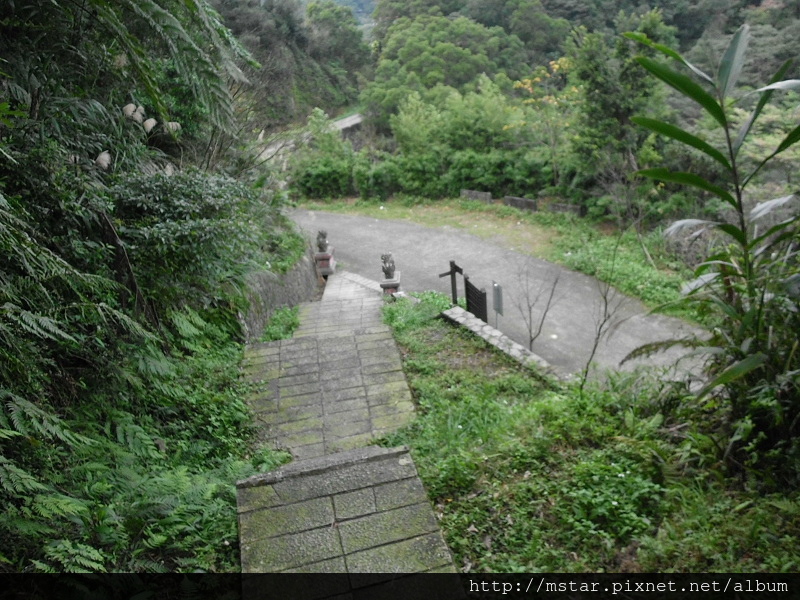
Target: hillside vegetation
<point>135,196</point>
<point>642,121</point>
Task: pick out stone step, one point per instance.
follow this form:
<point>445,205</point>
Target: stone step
<point>342,506</point>
<point>363,511</point>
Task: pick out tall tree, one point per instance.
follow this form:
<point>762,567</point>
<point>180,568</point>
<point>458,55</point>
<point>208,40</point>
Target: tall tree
<point>615,88</point>
<point>434,52</point>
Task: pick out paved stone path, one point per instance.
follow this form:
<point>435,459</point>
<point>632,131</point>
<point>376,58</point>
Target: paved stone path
<point>568,334</point>
<point>338,383</point>
<point>342,506</point>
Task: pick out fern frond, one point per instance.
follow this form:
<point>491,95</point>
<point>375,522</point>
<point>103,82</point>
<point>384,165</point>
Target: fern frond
<point>186,322</point>
<point>136,438</point>
<point>40,567</point>
<point>7,434</point>
<point>36,324</point>
<point>75,557</point>
<point>29,419</point>
<point>16,481</point>
<point>130,325</point>
<point>54,505</point>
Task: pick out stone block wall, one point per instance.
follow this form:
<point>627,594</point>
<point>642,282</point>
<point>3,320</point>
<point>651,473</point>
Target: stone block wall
<point>267,291</point>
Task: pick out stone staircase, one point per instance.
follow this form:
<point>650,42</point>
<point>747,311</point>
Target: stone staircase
<point>343,506</point>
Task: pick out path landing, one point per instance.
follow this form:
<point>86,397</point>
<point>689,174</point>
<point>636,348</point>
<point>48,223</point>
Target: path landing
<point>343,505</point>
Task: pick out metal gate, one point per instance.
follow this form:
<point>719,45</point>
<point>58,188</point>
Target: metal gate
<point>476,298</point>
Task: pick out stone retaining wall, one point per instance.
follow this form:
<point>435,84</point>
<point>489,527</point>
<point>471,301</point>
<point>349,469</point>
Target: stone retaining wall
<point>268,291</point>
<point>496,338</point>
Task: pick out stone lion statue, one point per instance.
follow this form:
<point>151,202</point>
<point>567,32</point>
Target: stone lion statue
<point>388,265</point>
<point>322,240</point>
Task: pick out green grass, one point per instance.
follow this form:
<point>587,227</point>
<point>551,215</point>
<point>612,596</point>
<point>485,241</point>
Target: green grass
<point>282,324</point>
<point>286,246</point>
<point>527,474</point>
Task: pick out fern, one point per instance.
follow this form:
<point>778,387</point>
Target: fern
<point>75,557</point>
<point>135,438</point>
<point>31,420</point>
<point>55,505</point>
<point>36,324</point>
<point>16,481</point>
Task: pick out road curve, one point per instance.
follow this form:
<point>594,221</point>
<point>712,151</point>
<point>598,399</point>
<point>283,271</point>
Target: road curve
<point>422,253</point>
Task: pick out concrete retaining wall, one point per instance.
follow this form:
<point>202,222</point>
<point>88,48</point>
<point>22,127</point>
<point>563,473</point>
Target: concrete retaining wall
<point>496,338</point>
<point>267,292</point>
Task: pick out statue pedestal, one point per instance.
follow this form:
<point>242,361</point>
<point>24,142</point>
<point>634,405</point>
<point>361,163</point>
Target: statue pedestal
<point>326,263</point>
<point>391,286</point>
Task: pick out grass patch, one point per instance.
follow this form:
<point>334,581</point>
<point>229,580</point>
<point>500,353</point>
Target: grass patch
<point>285,247</point>
<point>529,475</point>
<point>282,324</point>
<point>561,238</point>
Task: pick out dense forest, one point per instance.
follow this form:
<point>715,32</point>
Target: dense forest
<point>134,201</point>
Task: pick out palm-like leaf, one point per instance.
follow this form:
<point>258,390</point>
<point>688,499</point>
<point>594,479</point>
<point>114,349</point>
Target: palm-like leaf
<point>676,133</point>
<point>685,86</point>
<point>730,66</point>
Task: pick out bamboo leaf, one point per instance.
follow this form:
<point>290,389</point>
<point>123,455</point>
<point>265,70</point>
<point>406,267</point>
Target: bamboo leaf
<point>764,208</point>
<point>789,140</point>
<point>651,348</point>
<point>770,235</point>
<point>731,65</point>
<point>733,231</point>
<point>691,179</point>
<point>765,97</point>
<point>676,133</point>
<point>699,282</point>
<point>735,371</point>
<point>679,226</point>
<point>787,85</point>
<point>667,51</point>
<point>685,86</point>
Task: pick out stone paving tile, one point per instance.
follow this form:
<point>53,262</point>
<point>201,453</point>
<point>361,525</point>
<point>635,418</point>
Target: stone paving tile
<point>342,431</point>
<point>342,505</point>
<point>290,551</point>
<point>381,410</point>
<point>408,556</point>
<point>362,511</point>
<point>398,493</point>
<point>309,451</point>
<point>391,526</point>
<point>349,443</point>
<point>332,408</point>
<point>292,518</point>
<point>356,415</point>
<point>354,504</point>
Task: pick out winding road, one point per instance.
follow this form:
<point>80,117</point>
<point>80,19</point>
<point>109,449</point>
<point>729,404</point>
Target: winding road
<point>422,253</point>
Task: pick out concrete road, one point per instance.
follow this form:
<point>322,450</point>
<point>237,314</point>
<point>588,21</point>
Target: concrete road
<point>422,253</point>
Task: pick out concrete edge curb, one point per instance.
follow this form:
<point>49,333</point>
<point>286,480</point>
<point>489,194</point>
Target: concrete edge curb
<point>496,338</point>
<point>322,464</point>
<point>362,281</point>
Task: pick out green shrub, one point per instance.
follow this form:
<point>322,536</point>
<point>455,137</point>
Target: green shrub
<point>375,176</point>
<point>611,497</point>
<point>749,286</point>
<point>324,177</point>
<point>503,172</point>
<point>189,238</point>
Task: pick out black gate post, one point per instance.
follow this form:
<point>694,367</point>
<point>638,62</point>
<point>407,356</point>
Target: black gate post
<point>454,268</point>
<point>453,289</point>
